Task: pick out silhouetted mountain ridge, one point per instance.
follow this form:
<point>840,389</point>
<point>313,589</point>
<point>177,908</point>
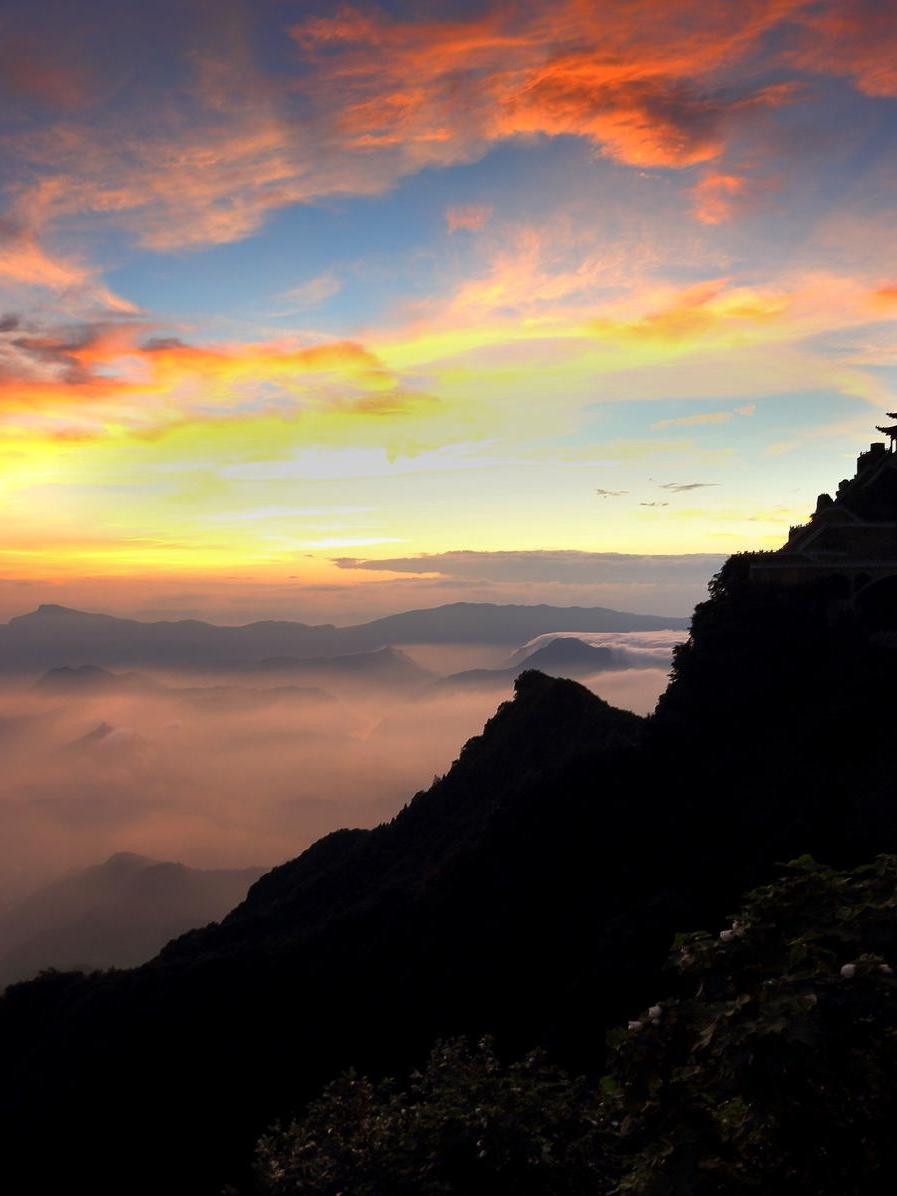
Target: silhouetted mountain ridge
<point>547,726</point>
<point>532,892</point>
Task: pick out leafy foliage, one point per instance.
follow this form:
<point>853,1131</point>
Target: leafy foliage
<point>778,1073</point>
<point>772,1071</point>
<point>466,1124</point>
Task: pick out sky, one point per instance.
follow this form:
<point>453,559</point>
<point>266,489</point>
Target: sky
<point>320,311</point>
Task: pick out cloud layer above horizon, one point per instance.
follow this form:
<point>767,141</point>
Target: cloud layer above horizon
<point>297,294</point>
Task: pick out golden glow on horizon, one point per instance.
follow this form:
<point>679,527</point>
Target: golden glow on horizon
<point>162,422</point>
<point>696,263</point>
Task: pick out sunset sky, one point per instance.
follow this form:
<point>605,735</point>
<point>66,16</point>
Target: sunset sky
<point>322,312</point>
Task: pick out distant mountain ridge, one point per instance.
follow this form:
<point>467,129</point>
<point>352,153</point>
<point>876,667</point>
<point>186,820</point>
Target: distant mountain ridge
<point>379,666</point>
<point>91,679</point>
<point>115,914</point>
<point>53,636</point>
<point>565,656</point>
<point>532,892</point>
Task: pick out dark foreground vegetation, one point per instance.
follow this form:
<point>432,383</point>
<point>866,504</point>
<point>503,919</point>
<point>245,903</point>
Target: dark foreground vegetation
<point>531,896</point>
<point>770,1069</point>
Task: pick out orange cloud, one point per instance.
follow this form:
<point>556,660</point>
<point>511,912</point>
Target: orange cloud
<point>105,375</point>
<point>715,196</point>
<point>857,38</point>
<point>23,261</point>
<point>623,76</point>
<point>535,269</point>
<point>373,98</point>
<point>528,318</point>
<point>691,313</point>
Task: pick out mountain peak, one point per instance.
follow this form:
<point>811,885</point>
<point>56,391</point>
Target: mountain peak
<point>67,672</point>
<point>127,860</point>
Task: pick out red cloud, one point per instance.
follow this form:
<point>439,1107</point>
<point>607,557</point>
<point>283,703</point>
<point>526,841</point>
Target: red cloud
<point>638,79</point>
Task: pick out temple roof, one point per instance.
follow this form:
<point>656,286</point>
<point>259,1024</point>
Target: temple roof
<point>851,538</point>
<point>861,520</point>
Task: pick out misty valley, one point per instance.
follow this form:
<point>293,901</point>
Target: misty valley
<point>137,804</point>
<point>644,945</point>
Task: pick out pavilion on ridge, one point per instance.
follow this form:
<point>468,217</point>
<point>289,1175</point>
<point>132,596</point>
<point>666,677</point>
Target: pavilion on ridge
<point>851,537</point>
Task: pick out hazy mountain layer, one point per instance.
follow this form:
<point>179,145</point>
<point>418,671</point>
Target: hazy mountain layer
<point>54,636</point>
<point>116,914</point>
<point>382,666</point>
<point>565,656</point>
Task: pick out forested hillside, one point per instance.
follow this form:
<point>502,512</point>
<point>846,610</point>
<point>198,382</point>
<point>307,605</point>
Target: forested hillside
<point>532,894</point>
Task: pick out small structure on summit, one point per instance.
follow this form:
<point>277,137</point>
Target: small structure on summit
<point>891,430</point>
<point>851,538</point>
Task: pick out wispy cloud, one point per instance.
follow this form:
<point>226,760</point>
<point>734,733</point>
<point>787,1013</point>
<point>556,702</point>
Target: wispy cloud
<point>716,196</point>
<point>469,216</point>
<point>371,98</point>
<point>77,380</point>
<point>42,70</point>
<point>563,566</point>
<point>349,541</point>
<point>312,292</point>
<point>94,375</point>
<point>28,265</point>
<point>702,418</point>
<point>694,421</point>
<point>683,487</point>
<point>857,38</point>
<point>627,82</point>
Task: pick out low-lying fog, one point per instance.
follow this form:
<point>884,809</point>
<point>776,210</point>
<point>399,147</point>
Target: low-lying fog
<point>247,770</point>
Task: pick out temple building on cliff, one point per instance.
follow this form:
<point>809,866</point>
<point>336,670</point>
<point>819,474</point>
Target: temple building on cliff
<point>851,538</point>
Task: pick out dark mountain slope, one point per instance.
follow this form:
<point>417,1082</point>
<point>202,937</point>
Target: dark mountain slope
<point>532,892</point>
<point>781,714</point>
<point>458,914</point>
<point>550,729</point>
